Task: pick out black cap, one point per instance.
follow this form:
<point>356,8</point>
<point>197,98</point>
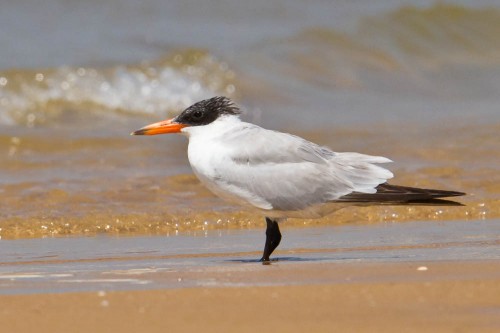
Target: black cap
<point>206,111</point>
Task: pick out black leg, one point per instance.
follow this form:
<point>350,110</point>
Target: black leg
<point>273,238</point>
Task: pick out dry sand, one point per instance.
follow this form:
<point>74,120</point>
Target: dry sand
<point>360,297</point>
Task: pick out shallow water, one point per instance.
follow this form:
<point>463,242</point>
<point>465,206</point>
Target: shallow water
<point>413,81</point>
<point>228,258</point>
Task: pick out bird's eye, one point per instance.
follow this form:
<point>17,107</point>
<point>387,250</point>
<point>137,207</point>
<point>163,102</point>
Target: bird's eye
<point>197,114</point>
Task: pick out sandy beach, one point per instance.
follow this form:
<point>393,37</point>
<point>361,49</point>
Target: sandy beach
<point>447,297</point>
<point>403,277</point>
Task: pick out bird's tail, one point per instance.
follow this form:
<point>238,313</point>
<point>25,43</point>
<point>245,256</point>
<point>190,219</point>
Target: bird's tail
<point>403,195</point>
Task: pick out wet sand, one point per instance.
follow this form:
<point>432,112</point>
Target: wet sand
<point>392,277</point>
<point>394,297</point>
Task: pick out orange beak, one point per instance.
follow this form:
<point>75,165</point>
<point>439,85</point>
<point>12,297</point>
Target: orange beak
<point>162,127</point>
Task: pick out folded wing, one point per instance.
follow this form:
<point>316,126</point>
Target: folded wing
<point>312,174</point>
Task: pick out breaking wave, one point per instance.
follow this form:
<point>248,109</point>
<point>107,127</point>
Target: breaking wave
<point>150,88</point>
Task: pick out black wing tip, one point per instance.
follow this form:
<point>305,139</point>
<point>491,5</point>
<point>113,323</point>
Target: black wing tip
<point>423,202</point>
<point>454,194</point>
<point>434,202</point>
<point>425,192</point>
<point>403,195</point>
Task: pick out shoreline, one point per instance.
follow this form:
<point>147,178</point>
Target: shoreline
<point>77,264</point>
<point>395,277</point>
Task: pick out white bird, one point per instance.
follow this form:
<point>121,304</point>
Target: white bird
<point>280,174</point>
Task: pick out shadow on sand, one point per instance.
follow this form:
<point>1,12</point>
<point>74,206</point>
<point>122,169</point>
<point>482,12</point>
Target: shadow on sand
<point>278,259</point>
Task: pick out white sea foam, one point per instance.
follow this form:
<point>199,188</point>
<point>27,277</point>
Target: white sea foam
<point>158,88</point>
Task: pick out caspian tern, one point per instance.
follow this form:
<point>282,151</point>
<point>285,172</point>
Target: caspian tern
<point>280,174</point>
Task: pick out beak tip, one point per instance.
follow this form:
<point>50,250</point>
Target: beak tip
<point>138,132</point>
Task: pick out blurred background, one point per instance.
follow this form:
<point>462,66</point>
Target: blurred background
<point>416,81</point>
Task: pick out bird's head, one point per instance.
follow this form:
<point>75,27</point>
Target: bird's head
<point>198,114</point>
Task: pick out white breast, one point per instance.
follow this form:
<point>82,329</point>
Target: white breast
<point>210,157</point>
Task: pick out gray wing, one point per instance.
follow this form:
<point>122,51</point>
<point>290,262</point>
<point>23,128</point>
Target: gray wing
<point>279,171</point>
